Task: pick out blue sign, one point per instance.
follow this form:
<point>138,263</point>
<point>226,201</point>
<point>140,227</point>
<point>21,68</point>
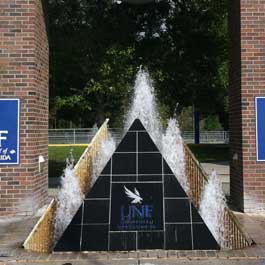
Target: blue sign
<point>260,128</point>
<point>9,131</point>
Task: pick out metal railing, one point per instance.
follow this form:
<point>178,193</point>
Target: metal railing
<point>85,135</point>
<point>197,177</point>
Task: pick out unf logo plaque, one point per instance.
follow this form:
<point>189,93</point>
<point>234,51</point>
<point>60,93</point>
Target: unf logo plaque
<point>137,207</point>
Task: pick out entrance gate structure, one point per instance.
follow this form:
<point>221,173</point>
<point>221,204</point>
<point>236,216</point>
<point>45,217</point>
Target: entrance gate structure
<point>24,75</point>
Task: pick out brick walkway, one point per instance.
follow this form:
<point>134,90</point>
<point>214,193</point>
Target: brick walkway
<point>14,232</point>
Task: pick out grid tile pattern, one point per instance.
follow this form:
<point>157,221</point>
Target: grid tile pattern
<point>136,203</point>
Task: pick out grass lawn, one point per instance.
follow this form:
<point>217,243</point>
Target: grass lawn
<point>207,153</point>
<point>58,155</point>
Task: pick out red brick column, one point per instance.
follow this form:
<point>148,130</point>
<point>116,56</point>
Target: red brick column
<point>24,75</point>
<point>247,80</point>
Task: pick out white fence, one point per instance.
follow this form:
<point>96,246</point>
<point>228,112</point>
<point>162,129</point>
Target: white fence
<point>207,137</point>
<point>71,136</point>
<point>85,135</point>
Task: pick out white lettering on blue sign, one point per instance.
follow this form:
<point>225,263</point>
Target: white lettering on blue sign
<point>2,137</point>
<point>9,131</point>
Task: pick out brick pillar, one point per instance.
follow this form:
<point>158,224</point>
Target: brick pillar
<point>247,80</point>
<point>24,75</point>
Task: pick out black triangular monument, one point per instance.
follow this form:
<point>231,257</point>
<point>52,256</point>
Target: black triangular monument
<point>136,203</point>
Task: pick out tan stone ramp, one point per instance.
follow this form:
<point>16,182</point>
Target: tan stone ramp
<point>13,233</point>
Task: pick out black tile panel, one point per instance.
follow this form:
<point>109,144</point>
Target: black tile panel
<point>96,211</point>
<point>145,143</point>
<point>137,126</point>
<point>95,237</point>
<point>124,163</point>
<point>123,241</point>
<point>70,240</point>
<point>202,238</point>
<point>177,211</point>
<point>178,236</point>
<point>128,143</point>
<point>172,187</point>
<point>149,163</point>
<point>149,177</point>
<point>150,240</point>
<point>124,178</point>
<point>101,188</point>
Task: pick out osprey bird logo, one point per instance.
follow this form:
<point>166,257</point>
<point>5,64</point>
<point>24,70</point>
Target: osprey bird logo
<point>133,195</point>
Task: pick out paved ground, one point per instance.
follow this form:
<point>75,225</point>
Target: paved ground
<point>13,233</point>
<point>149,262</point>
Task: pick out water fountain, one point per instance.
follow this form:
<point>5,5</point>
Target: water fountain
<point>139,200</point>
<point>144,107</point>
<point>70,196</point>
<point>136,203</point>
<point>107,148</point>
<point>69,199</point>
<point>139,193</point>
<point>212,207</point>
<point>173,151</point>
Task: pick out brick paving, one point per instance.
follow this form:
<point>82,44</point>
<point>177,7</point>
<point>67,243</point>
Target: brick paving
<point>14,232</point>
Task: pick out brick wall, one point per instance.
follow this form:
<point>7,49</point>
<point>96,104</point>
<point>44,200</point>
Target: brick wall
<point>247,80</point>
<point>24,75</point>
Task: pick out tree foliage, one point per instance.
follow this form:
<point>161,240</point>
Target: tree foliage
<point>96,47</point>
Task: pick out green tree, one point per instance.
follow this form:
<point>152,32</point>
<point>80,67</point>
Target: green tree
<point>96,47</point>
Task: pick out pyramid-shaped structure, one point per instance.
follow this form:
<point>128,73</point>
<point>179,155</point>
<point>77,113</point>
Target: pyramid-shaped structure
<point>136,203</point>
